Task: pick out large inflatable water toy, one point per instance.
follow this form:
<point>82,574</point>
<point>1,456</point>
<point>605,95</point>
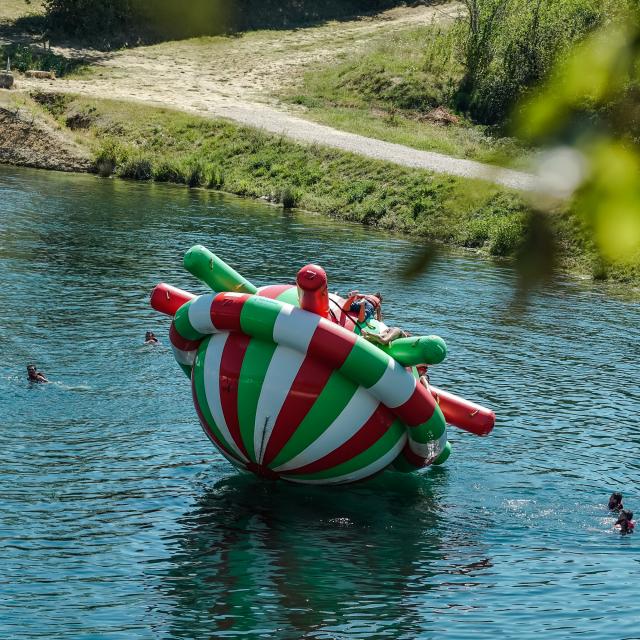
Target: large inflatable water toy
<point>285,386</point>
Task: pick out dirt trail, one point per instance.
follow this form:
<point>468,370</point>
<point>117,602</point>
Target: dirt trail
<point>237,78</point>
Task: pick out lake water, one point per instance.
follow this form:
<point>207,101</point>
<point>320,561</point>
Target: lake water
<point>119,520</point>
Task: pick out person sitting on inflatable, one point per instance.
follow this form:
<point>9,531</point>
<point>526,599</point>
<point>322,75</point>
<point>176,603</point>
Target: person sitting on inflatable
<point>386,336</point>
<point>366,306</point>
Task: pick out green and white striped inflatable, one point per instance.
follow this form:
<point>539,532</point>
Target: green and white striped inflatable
<point>286,393</point>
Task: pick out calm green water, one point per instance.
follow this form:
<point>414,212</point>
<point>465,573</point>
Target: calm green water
<point>119,520</point>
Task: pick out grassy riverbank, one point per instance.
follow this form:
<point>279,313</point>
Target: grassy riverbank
<point>145,143</point>
<point>134,141</point>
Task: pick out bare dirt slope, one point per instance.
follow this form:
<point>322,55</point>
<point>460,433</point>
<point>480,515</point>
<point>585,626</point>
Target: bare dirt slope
<point>237,78</point>
<point>32,140</point>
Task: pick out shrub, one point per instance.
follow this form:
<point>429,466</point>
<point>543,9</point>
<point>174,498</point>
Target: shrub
<point>24,57</point>
<point>510,45</point>
<point>288,197</point>
<point>110,154</point>
<point>55,103</point>
<point>505,235</point>
<point>360,190</point>
<point>166,171</point>
<point>136,168</point>
<point>215,178</point>
<point>476,233</point>
<point>196,174</point>
<point>112,22</point>
<point>423,206</point>
<point>90,19</point>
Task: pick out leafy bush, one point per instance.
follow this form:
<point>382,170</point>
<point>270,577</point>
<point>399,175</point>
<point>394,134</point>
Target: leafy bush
<point>90,19</point>
<point>55,103</point>
<point>476,233</point>
<point>216,178</point>
<point>136,167</point>
<point>196,174</point>
<point>288,197</point>
<point>511,45</point>
<point>167,171</point>
<point>24,57</point>
<point>113,22</point>
<point>505,235</point>
<point>479,66</point>
<point>586,114</point>
<point>110,154</point>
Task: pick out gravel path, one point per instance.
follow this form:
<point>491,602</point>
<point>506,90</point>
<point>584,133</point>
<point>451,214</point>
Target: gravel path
<point>237,78</point>
<point>310,132</point>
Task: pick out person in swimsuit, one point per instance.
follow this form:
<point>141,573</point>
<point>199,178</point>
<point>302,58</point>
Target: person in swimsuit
<point>386,336</point>
<point>615,502</point>
<point>625,521</point>
<point>367,307</point>
<point>150,338</point>
<point>33,375</point>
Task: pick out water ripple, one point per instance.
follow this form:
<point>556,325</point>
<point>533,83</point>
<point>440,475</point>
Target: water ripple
<point>119,520</point>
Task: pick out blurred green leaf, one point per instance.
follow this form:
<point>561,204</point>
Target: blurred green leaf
<point>420,262</point>
<point>537,256</point>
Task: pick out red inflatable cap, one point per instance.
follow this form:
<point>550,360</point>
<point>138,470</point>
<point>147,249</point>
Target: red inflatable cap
<point>168,299</point>
<point>312,290</point>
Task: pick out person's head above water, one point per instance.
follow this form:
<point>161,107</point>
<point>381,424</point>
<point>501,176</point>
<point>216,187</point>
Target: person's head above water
<point>625,521</point>
<point>615,501</point>
<point>148,335</point>
<point>34,375</point>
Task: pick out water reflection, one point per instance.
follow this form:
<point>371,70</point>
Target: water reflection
<point>309,561</point>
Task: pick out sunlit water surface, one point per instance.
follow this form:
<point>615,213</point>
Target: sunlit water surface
<point>119,520</point>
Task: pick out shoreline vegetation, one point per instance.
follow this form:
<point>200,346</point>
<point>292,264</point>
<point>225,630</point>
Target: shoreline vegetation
<point>140,142</point>
<point>440,85</point>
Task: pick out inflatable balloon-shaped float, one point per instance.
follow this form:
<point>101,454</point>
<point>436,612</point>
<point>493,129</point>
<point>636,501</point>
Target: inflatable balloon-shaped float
<point>285,385</point>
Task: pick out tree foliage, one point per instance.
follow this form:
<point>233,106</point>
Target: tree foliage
<point>511,45</point>
<point>90,18</point>
<point>112,21</point>
<point>588,116</point>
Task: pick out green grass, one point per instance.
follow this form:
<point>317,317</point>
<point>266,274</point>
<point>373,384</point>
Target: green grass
<point>141,142</point>
<point>24,57</point>
<point>388,91</point>
<point>146,143</point>
<point>11,10</point>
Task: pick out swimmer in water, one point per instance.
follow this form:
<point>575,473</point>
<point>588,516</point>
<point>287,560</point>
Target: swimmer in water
<point>625,521</point>
<point>33,375</point>
<point>150,338</point>
<point>615,502</point>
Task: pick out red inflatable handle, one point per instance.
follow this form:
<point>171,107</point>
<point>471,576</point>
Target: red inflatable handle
<point>464,414</point>
<point>312,290</point>
<point>168,299</point>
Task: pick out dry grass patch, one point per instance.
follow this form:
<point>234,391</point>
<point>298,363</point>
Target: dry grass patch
<point>11,10</point>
